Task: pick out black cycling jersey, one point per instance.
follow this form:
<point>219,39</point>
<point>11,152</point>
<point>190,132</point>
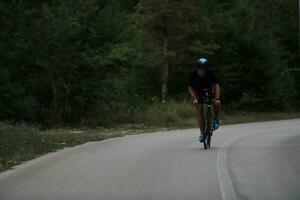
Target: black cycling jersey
<point>199,83</point>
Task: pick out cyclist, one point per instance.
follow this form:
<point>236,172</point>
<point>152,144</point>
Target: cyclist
<point>199,79</point>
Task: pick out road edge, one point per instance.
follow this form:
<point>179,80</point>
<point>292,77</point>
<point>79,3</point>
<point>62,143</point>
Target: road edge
<point>228,191</point>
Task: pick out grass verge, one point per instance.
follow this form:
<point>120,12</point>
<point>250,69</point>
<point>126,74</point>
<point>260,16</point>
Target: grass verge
<point>22,142</point>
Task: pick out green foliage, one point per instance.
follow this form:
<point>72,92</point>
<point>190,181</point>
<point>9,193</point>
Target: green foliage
<point>171,114</point>
<point>22,142</point>
<point>100,62</point>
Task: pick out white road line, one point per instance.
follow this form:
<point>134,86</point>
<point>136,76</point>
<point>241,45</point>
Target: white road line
<point>227,189</point>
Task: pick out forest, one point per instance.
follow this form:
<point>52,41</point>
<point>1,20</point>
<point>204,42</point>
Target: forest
<point>77,62</point>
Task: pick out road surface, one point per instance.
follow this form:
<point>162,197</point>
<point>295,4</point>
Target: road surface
<point>248,161</point>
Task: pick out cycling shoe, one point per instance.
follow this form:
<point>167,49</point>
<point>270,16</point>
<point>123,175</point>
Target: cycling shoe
<point>216,124</point>
<point>201,138</point>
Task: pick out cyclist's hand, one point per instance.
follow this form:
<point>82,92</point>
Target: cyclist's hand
<point>195,101</point>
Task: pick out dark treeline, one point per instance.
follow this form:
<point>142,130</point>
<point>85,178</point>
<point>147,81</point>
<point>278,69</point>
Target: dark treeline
<point>84,62</point>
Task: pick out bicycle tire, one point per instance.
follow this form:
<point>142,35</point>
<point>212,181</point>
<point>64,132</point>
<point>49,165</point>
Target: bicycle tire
<point>208,140</point>
<point>204,143</point>
<point>207,135</point>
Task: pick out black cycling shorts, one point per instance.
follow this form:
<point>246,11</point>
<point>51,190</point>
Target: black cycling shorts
<point>201,94</point>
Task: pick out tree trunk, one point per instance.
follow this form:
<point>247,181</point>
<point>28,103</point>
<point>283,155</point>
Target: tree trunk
<point>164,73</point>
<point>54,91</point>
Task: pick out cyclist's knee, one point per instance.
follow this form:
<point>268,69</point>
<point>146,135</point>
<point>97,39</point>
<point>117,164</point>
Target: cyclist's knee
<point>199,107</point>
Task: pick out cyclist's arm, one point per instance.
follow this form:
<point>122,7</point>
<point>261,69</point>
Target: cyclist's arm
<point>218,91</point>
<point>192,93</point>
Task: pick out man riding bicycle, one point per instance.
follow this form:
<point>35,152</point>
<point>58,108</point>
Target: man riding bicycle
<point>202,78</point>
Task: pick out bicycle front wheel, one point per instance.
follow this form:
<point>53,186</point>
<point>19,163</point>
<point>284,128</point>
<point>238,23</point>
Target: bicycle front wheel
<point>208,140</point>
<point>207,137</point>
<point>208,134</point>
<point>205,142</point>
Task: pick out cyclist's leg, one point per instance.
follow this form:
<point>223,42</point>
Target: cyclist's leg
<point>217,108</point>
<point>200,116</point>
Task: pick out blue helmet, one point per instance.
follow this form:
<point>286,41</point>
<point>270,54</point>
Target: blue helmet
<point>202,63</point>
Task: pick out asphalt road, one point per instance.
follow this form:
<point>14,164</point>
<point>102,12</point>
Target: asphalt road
<point>249,161</point>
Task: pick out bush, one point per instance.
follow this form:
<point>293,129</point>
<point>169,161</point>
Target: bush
<point>176,114</point>
<point>247,102</point>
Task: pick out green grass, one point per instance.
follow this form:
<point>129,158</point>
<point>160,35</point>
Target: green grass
<point>172,114</point>
<point>247,117</point>
<point>22,142</point>
<point>183,115</point>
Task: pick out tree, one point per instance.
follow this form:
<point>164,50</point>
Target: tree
<point>73,61</point>
<point>167,26</point>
